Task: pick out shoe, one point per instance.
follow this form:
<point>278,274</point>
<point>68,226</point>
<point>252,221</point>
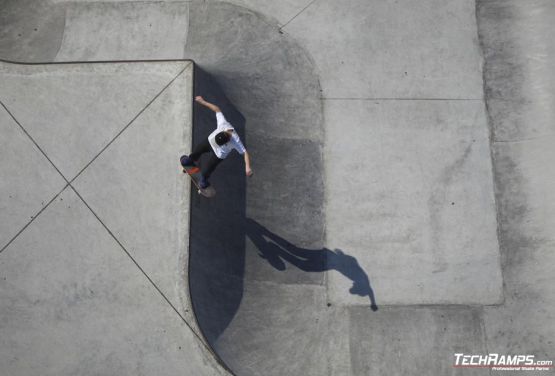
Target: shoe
<point>203,183</point>
<point>186,161</point>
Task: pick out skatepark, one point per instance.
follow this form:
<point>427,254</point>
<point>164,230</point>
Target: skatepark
<point>400,212</point>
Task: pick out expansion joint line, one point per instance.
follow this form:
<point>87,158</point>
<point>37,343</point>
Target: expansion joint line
<point>68,182</point>
<point>296,15</point>
<point>129,124</point>
<point>49,160</point>
<point>33,218</point>
<point>183,319</point>
<point>400,99</point>
<point>120,244</point>
<point>33,141</point>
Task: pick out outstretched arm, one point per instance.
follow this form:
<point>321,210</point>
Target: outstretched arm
<point>211,106</point>
<point>248,169</point>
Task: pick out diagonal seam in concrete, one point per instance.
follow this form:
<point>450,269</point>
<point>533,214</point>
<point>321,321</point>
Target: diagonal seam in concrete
<point>151,281</point>
<point>33,218</point>
<point>98,217</point>
<point>68,183</point>
<point>49,160</point>
<point>296,15</point>
<point>130,123</point>
<point>120,244</point>
<point>32,140</point>
<point>136,263</point>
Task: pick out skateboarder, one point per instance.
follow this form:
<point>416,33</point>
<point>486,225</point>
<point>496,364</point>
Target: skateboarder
<point>219,144</point>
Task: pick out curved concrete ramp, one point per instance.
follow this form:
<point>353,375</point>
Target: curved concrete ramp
<point>246,306</point>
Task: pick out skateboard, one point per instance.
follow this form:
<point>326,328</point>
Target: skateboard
<point>194,174</point>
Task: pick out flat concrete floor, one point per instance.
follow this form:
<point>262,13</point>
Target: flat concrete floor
<point>402,156</point>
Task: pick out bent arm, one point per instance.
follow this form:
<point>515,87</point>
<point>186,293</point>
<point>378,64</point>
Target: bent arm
<point>209,105</point>
<point>248,169</point>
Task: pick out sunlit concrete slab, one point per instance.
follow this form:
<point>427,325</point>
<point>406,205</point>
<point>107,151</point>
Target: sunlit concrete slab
<point>410,196</point>
<point>124,31</point>
<point>413,341</point>
<point>138,191</point>
<point>73,111</point>
<point>401,49</point>
<point>74,303</point>
<point>28,181</point>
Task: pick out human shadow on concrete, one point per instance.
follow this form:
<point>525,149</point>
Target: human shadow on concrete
<point>276,249</point>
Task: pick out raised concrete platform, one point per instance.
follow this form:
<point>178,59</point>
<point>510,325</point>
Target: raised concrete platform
<point>94,246</point>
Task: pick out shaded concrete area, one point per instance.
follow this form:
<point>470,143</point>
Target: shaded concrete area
<point>217,240</point>
<point>383,173</point>
<point>520,89</point>
<point>31,30</point>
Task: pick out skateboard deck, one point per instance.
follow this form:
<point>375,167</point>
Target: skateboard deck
<point>194,174</point>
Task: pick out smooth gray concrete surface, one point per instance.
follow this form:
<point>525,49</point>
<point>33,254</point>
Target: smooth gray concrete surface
<point>402,221</point>
<point>392,49</point>
<point>22,194</point>
<point>124,31</point>
<point>414,334</point>
<point>308,79</point>
<point>136,178</point>
<point>31,31</point>
<point>95,282</point>
<point>281,12</point>
<point>268,323</point>
<point>74,304</point>
<point>82,102</point>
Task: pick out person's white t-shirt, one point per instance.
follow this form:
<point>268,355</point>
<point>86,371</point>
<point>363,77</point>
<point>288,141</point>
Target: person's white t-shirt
<point>234,143</point>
